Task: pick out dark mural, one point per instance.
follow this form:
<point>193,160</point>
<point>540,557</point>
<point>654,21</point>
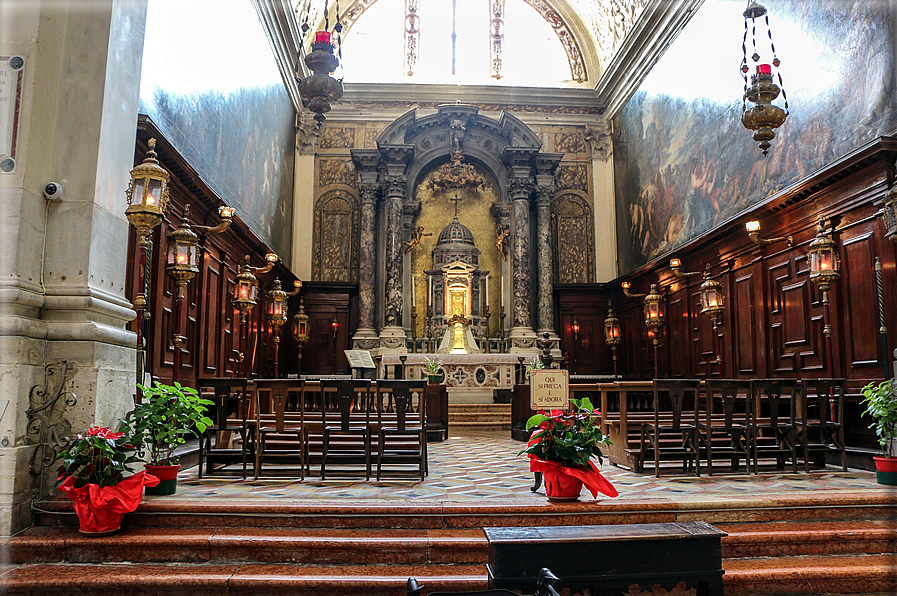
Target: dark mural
<point>236,129</point>
<point>684,165</point>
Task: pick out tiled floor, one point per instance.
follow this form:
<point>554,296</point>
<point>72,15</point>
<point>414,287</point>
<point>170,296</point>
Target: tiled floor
<point>479,465</point>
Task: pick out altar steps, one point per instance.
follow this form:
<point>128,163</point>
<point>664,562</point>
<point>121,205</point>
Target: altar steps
<point>484,416</point>
<point>789,546</point>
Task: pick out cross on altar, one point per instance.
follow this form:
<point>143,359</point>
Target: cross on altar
<point>456,200</point>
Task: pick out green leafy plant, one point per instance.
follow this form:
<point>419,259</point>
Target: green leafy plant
<point>100,457</point>
<point>570,438</point>
<point>432,366</point>
<point>881,405</point>
<point>165,416</point>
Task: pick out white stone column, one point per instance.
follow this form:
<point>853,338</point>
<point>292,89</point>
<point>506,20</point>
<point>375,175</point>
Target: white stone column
<point>304,198</point>
<point>77,127</point>
<point>601,141</point>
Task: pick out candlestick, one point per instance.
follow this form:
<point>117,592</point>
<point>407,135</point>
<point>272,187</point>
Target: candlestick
<point>487,291</point>
<point>429,291</point>
<point>413,294</point>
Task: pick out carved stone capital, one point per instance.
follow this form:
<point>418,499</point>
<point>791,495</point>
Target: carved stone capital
<point>601,141</point>
<point>395,186</point>
<point>544,194</point>
<point>307,135</point>
<point>520,188</point>
<point>368,192</point>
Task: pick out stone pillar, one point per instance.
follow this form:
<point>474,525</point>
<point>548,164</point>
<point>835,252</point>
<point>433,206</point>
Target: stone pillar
<point>366,162</point>
<point>522,336</point>
<point>544,261</point>
<point>394,183</point>
<point>304,196</point>
<point>77,126</point>
<point>546,165</point>
<point>605,219</point>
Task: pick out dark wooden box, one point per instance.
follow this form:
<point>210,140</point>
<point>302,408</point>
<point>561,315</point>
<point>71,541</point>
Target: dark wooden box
<point>608,560</point>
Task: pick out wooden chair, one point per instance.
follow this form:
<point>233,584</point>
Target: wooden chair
<point>729,436</point>
<point>667,436</point>
<point>816,430</point>
<point>231,399</point>
<point>398,421</point>
<point>772,421</point>
<point>352,396</point>
<point>277,393</point>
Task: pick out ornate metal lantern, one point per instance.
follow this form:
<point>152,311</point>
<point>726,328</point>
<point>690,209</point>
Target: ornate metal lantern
<point>575,328</point>
<point>654,315</point>
<point>246,284</point>
<point>277,315</point>
<point>300,325</point>
<point>612,335</point>
<point>182,262</point>
<point>712,300</point>
<point>147,194</point>
<point>763,116</point>
<point>320,89</point>
<point>824,260</point>
<point>334,324</point>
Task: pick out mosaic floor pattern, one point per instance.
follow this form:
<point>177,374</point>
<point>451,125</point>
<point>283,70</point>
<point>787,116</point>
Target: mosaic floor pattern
<point>477,464</point>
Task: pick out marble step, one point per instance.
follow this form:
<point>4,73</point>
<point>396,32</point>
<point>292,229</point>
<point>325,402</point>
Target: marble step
<point>860,574</point>
<point>242,579</point>
<point>480,414</point>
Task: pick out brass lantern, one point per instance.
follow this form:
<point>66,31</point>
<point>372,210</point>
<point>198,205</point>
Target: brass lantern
<point>575,328</point>
<point>824,261</point>
<point>712,301</point>
<point>182,262</point>
<point>147,194</point>
<point>611,327</point>
<point>246,284</point>
<point>300,324</point>
<point>763,116</point>
<point>654,316</point>
<point>334,324</point>
<point>277,314</point>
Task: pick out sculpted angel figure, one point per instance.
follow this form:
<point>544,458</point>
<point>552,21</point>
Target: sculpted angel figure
<point>416,236</point>
<point>501,240</point>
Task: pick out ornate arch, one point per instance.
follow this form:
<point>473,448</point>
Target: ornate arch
<point>571,220</point>
<point>549,13</point>
<point>336,233</point>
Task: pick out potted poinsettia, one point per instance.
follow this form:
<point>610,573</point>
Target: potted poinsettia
<point>881,405</point>
<point>161,421</point>
<point>95,473</point>
<point>562,446</point>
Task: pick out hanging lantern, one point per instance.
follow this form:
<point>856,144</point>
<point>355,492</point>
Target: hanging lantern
<point>712,301</point>
<point>824,261</point>
<point>763,116</point>
<point>575,327</point>
<point>182,261</point>
<point>277,315</point>
<point>318,90</point>
<point>147,194</point>
<point>654,310</point>
<point>611,328</point>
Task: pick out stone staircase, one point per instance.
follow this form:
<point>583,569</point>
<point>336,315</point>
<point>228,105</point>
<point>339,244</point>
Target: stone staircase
<point>839,545</point>
<point>482,416</point>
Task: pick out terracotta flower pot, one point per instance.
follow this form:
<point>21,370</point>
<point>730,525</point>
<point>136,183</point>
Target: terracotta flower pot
<point>561,487</point>
<point>168,479</point>
<point>886,470</point>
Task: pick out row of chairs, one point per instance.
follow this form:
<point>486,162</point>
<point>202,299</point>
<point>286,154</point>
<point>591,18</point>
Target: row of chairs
<point>354,422</point>
<point>784,420</point>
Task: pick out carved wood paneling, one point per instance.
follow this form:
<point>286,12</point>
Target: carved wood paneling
<point>860,301</point>
<point>741,305</point>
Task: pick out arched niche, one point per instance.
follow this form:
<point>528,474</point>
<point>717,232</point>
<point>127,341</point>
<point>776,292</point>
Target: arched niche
<point>336,229</point>
<point>573,238</point>
<point>482,140</point>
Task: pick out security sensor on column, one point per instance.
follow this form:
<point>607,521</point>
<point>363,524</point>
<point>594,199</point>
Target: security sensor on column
<point>53,191</point>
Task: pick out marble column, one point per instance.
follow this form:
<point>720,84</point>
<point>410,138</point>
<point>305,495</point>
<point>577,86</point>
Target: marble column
<point>544,261</point>
<point>522,335</point>
<point>77,126</point>
<point>392,336</point>
<point>366,336</point>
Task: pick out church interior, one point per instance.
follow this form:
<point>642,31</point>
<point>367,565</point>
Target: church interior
<point>653,197</point>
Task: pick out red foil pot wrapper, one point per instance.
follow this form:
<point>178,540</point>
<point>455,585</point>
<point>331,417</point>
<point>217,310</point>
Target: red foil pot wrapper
<point>590,477</point>
<point>101,509</point>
